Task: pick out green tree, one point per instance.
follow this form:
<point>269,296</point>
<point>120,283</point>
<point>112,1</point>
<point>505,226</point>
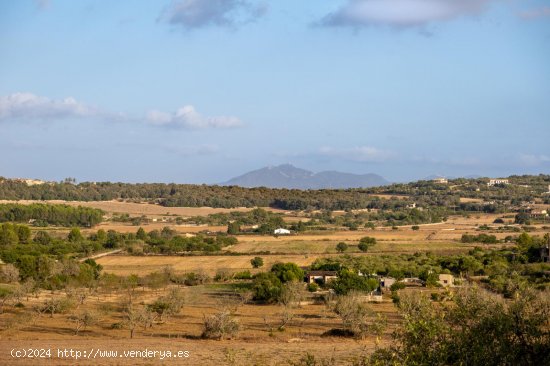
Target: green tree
<point>365,243</point>
<point>8,235</point>
<point>287,272</point>
<point>140,234</point>
<point>266,287</point>
<point>233,228</point>
<point>341,247</point>
<point>348,281</point>
<point>74,235</point>
<point>24,234</point>
<point>257,262</point>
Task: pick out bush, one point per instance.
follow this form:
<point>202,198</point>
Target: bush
<point>312,287</point>
<point>223,275</point>
<point>397,286</point>
<point>257,262</point>
<point>244,275</point>
<point>194,279</point>
<point>220,326</point>
<point>341,247</point>
<point>267,287</point>
<point>482,329</point>
<point>415,227</point>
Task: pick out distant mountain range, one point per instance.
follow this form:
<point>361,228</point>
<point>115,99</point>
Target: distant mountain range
<point>288,176</point>
<point>434,176</point>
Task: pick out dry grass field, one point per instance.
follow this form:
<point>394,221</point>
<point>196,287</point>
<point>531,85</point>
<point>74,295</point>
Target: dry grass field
<point>259,342</point>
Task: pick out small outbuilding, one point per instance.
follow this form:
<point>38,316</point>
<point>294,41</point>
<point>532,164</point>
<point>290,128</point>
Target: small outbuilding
<point>446,280</point>
<point>386,282</point>
<point>321,277</point>
<point>281,231</point>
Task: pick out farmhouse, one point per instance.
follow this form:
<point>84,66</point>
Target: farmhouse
<point>321,277</point>
<point>281,231</point>
<point>386,282</point>
<point>494,182</point>
<point>440,180</point>
<point>538,214</point>
<point>413,281</point>
<point>446,280</point>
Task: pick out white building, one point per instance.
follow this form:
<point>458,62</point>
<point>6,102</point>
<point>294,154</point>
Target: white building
<point>494,182</point>
<point>440,180</point>
<point>281,231</point>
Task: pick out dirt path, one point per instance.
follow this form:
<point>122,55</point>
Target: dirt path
<point>104,254</point>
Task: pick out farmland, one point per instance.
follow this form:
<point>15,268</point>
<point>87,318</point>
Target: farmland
<point>146,256</point>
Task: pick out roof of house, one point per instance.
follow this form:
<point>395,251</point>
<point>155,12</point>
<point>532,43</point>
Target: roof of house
<point>322,273</point>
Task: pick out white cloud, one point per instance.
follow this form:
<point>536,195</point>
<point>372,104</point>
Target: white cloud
<point>543,12</point>
<point>359,153</point>
<point>401,13</point>
<point>188,117</point>
<point>30,106</point>
<point>533,160</point>
<point>192,14</point>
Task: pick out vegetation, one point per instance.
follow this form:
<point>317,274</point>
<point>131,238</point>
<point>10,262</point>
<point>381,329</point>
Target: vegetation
<point>479,329</point>
<point>40,214</point>
<point>423,193</point>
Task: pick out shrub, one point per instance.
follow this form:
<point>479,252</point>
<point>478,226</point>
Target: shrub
<point>397,286</point>
<point>312,287</point>
<point>244,275</point>
<point>341,247</point>
<point>257,262</point>
<point>220,326</point>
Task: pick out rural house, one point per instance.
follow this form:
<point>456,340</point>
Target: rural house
<point>281,231</point>
<point>386,282</point>
<point>446,280</point>
<point>494,182</point>
<point>440,180</point>
<point>321,277</point>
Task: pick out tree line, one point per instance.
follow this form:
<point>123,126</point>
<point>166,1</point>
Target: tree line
<point>40,214</point>
<point>424,193</point>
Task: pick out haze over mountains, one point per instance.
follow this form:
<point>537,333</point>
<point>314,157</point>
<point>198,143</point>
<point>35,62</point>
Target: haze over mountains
<point>289,176</point>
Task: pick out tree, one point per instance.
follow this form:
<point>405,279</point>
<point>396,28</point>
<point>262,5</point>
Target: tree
<point>74,235</point>
<point>8,235</point>
<point>140,234</point>
<point>292,294</point>
<point>341,247</point>
<point>234,228</point>
<point>365,243</point>
<point>287,272</point>
<point>349,281</point>
<point>415,227</point>
<point>42,237</point>
<point>24,234</point>
<point>257,262</point>
<point>9,273</point>
<point>266,287</point>
<point>357,317</point>
<point>83,320</point>
<point>480,329</point>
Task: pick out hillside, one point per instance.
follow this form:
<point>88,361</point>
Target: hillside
<point>289,176</point>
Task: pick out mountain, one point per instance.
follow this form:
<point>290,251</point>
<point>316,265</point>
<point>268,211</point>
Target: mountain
<point>288,176</point>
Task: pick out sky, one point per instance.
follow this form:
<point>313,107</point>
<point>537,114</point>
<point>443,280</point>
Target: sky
<point>200,91</point>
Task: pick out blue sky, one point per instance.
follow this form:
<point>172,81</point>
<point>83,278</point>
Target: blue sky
<point>199,91</point>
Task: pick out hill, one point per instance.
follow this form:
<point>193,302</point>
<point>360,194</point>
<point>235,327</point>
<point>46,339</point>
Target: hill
<point>289,176</point>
